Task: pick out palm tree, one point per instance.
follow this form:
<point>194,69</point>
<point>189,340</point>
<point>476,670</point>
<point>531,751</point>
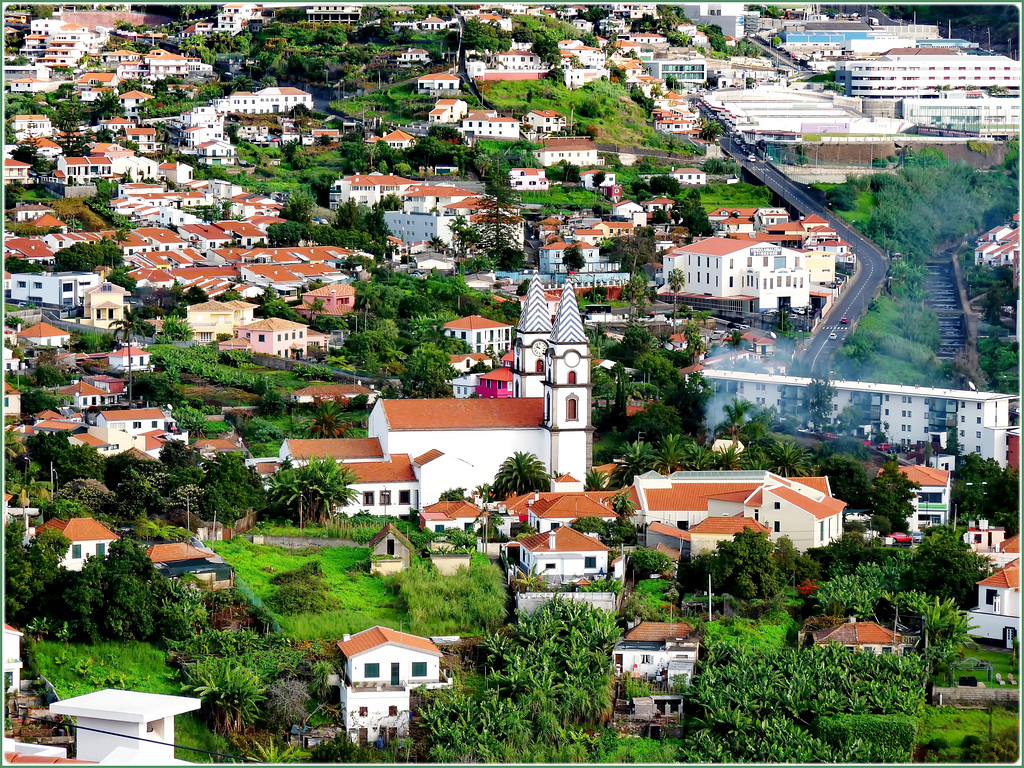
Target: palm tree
<point>328,420</point>
<point>710,130</point>
<point>735,416</point>
<point>671,454</point>
<point>13,447</point>
<point>638,458</point>
<point>945,623</point>
<point>318,488</point>
<point>676,281</point>
<point>700,458</point>
<point>316,308</point>
<point>176,329</point>
<point>231,694</point>
<point>730,458</point>
<point>130,325</point>
<point>789,460</point>
<point>596,480</point>
<point>520,473</point>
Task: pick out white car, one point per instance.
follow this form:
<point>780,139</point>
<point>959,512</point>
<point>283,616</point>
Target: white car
<point>833,335</point>
<point>752,158</point>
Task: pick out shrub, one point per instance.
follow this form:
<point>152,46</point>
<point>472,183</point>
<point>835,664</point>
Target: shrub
<point>893,733</point>
<point>303,590</point>
<point>939,744</point>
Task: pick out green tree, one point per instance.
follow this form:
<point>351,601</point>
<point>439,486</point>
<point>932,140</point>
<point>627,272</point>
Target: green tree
<point>299,208</point>
<point>231,693</point>
<point>735,416</point>
<point>819,402</point>
<point>710,130</point>
<point>745,566</point>
<point>847,480</point>
<point>650,561</point>
<point>892,495</point>
<point>945,567</point>
<point>231,489</point>
<point>573,258</point>
<point>130,326</point>
<point>328,420</point>
<point>520,473</point>
<point>429,372</point>
<point>176,329</point>
<point>789,460</point>
<point>499,221</point>
<point>676,282</point>
<point>639,457</point>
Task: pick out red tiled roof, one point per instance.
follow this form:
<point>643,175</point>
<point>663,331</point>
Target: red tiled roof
<point>728,525</point>
<point>857,633</point>
<point>475,323</point>
<point>571,505</point>
<point>451,510</point>
<point>566,540</point>
<point>82,529</point>
<point>668,530</point>
<point>692,497</point>
<point>1008,577</point>
<point>175,552</point>
<point>1012,545</point>
<point>337,448</point>
<point>398,470</point>
<point>375,637</point>
<point>825,508</point>
<point>658,631</point>
<point>41,331</point>
<point>485,413</point>
<point>925,475</point>
<point>429,456</point>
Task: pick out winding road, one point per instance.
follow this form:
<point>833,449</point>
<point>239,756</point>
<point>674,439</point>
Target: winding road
<point>872,262</point>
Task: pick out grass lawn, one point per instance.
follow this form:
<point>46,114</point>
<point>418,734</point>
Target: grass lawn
<point>738,195</point>
<point>954,724</point>
<point>364,600</point>
<point>1002,663</point>
<point>859,215</point>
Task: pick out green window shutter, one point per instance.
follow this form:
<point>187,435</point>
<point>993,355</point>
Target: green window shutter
<point>419,669</point>
<point>373,670</point>
<point>101,550</point>
<point>76,551</point>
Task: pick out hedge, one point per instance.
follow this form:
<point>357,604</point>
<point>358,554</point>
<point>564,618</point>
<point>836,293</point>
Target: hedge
<point>893,733</point>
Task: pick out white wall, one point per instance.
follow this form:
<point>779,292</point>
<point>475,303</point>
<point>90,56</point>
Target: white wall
<point>567,565</point>
<point>88,549</point>
<point>53,289</point>
<point>393,509</point>
<point>12,658</point>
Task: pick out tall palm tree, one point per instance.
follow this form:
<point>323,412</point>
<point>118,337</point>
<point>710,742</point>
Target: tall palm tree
<point>710,130</point>
<point>596,480</point>
<point>316,308</point>
<point>328,420</point>
<point>671,454</point>
<point>638,458</point>
<point>730,458</point>
<point>13,447</point>
<point>700,458</point>
<point>520,473</point>
<point>735,416</point>
<point>129,326</point>
<point>789,460</point>
<point>676,281</point>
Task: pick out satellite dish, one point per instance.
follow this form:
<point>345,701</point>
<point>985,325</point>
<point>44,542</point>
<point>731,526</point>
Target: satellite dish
<point>772,334</point>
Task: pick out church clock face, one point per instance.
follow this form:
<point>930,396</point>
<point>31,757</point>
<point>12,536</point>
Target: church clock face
<point>539,347</point>
<point>571,358</point>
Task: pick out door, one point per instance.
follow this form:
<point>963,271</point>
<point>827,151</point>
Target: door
<point>394,673</point>
<point>618,662</point>
<point>391,547</point>
<point>1011,635</point>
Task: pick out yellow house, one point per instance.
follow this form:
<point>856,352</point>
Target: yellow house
<point>706,534</point>
<point>104,305</point>
<point>821,266</point>
<point>212,318</point>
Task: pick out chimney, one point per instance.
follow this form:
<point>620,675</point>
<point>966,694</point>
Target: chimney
<point>551,539</point>
<point>853,620</point>
<point>346,638</point>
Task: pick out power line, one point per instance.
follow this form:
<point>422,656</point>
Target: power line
<point>139,738</point>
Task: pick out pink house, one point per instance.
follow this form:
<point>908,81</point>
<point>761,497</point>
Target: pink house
<point>496,383</point>
<point>277,337</point>
<point>337,300</point>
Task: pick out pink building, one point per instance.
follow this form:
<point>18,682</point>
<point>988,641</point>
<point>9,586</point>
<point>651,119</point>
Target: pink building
<point>277,337</point>
<point>496,383</point>
<point>337,300</point>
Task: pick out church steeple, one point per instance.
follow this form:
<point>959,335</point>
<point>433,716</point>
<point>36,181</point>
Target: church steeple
<point>531,342</point>
<point>568,327</point>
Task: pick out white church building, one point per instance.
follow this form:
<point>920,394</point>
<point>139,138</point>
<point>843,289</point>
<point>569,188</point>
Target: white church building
<point>417,449</point>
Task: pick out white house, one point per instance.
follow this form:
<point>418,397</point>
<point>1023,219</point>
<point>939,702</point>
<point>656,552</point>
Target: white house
<point>482,125</point>
<point>529,179</point>
<point>579,152</point>
<point>44,335</point>
<point>88,537</point>
<point>118,360</point>
<point>272,100</point>
<point>412,56</point>
<point>481,333</point>
<point>132,100</point>
<point>31,127</point>
<point>563,555</point>
<point>217,153</point>
<point>545,121</point>
<point>517,61</point>
<point>439,82</point>
<point>368,189</point>
<point>587,179</point>
<point>465,385</point>
<point>125,727</point>
<point>657,650</point>
<point>692,176</point>
<point>448,111</point>
<point>931,503</point>
<point>135,421</point>
<point>382,668</point>
<point>997,616</point>
<point>551,510</point>
<point>12,659</point>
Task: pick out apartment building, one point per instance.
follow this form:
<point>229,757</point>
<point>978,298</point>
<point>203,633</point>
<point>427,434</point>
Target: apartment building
<point>265,101</point>
<point>333,13</point>
<point>913,72</point>
<point>53,289</point>
<point>907,415</point>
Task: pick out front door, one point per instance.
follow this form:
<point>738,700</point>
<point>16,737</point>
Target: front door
<point>1011,635</point>
<point>391,547</point>
<point>394,673</point>
<point>618,662</point>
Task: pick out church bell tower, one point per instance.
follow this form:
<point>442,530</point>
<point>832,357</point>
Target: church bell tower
<point>531,342</point>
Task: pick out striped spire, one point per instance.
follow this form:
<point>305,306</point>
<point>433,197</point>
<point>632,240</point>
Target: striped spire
<point>534,317</point>
<point>568,328</point>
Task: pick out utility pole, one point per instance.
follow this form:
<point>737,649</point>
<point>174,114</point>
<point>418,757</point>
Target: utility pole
<point>709,597</point>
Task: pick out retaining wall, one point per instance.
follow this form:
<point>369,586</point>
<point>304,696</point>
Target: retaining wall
<point>449,564</point>
<point>974,697</point>
<point>301,542</point>
<point>529,602</point>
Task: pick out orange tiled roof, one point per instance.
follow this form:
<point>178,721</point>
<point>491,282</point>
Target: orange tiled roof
<point>429,456</point>
<point>337,448</point>
<point>82,529</point>
<point>658,631</point>
<point>475,323</point>
<point>489,413</point>
<point>668,530</point>
<point>692,497</point>
<point>451,510</point>
<point>1008,577</point>
<point>398,470</point>
<point>566,540</point>
<point>571,505</point>
<point>375,637</point>
<point>728,525</point>
<point>825,508</point>
<point>857,633</point>
<point>1012,545</point>
<point>926,475</point>
<point>175,552</point>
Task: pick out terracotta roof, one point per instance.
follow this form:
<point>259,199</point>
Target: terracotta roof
<point>337,448</point>
<point>520,504</point>
<point>825,508</point>
<point>50,424</point>
<point>451,510</point>
<point>23,759</point>
<point>88,439</point>
<point>857,633</point>
<point>176,551</point>
<point>566,540</point>
<point>138,413</point>
<point>485,413</point>
<point>728,525</point>
<point>217,445</point>
<point>1011,545</point>
<point>475,323</point>
<point>41,331</point>
<point>9,390</point>
<point>429,456</point>
<point>498,374</point>
<point>693,497</point>
<point>397,470</point>
<point>566,479</point>
<point>925,475</point>
<point>658,631</point>
<point>374,637</point>
<point>272,324</point>
<point>668,530</point>
<point>392,530</point>
<point>81,388</point>
<point>570,505</point>
<point>82,529</point>
<point>1008,577</point>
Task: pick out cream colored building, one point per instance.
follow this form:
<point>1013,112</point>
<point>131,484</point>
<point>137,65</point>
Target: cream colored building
<point>821,266</point>
<point>103,305</point>
<point>212,318</point>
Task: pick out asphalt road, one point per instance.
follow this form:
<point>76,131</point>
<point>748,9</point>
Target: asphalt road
<point>872,261</point>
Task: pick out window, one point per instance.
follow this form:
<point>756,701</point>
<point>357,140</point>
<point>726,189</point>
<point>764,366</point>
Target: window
<point>76,551</point>
<point>136,425</point>
<point>886,650</point>
<point>978,435</point>
<point>646,658</point>
<point>555,526</point>
<point>367,498</point>
<point>778,526</point>
<point>101,550</point>
<point>570,409</point>
<point>821,530</point>
<point>261,337</point>
<point>590,562</point>
<point>549,566</point>
<point>438,529</point>
<point>404,497</point>
<point>372,670</point>
<point>572,377</point>
<point>363,712</point>
<point>990,596</point>
<point>778,505</point>
<point>419,669</point>
<point>540,366</point>
<point>392,711</point>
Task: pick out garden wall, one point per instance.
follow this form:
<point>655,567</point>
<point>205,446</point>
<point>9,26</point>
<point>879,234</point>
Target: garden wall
<point>974,697</point>
<point>387,566</point>
<point>528,602</point>
<point>301,542</point>
<point>449,564</point>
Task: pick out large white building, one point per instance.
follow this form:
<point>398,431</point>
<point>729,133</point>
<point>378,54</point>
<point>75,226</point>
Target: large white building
<point>755,274</point>
<point>907,415</point>
<point>265,101</point>
<point>965,113</point>
<point>367,189</point>
<point>912,72</point>
<point>53,289</point>
<point>997,616</point>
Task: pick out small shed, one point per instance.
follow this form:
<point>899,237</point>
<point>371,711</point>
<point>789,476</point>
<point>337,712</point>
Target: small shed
<point>390,550</point>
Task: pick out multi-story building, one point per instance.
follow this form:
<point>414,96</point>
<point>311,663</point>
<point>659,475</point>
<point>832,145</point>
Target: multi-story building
<point>912,72</point>
<point>577,151</point>
<point>367,189</point>
<point>53,289</point>
<point>483,125</point>
<point>545,121</point>
<point>234,18</point>
<point>272,100</point>
<point>997,616</point>
<point>964,113</point>
<point>551,258</point>
<point>751,275</point>
<point>448,111</point>
<point>907,415</point>
<point>211,319</point>
<point>482,334</point>
<point>931,502</point>
<point>534,179</point>
<point>333,13</point>
<point>31,127</point>
<point>687,72</point>
<point>103,305</point>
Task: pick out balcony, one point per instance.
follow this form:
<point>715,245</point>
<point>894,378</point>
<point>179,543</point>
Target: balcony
<point>384,685</point>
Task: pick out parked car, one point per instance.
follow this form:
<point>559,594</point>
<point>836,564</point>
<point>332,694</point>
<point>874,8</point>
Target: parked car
<point>917,536</point>
<point>901,539</point>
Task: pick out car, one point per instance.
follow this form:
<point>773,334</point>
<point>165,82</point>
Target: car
<point>900,538</point>
<point>845,321</point>
<point>885,447</point>
<point>833,335</point>
<point>752,158</point>
<point>917,536</point>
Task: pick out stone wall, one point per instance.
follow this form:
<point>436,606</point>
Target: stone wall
<point>300,542</point>
<point>974,697</point>
<point>93,19</point>
<point>449,564</point>
<point>529,602</point>
<point>387,567</point>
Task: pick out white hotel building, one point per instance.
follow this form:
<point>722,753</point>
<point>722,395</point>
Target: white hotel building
<point>265,101</point>
<point>913,72</point>
<point>913,414</point>
<point>751,274</point>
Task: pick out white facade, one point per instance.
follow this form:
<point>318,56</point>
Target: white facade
<point>12,659</point>
<point>55,289</point>
<point>913,414</point>
<point>529,179</point>
<point>480,126</point>
<point>134,422</point>
<point>898,75</point>
<point>416,227</point>
<point>267,100</point>
<point>965,113</point>
<point>578,152</point>
<point>557,561</point>
<point>997,616</point>
<point>551,256</point>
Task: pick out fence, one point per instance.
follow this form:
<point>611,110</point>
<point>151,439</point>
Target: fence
<point>974,697</point>
<point>254,600</point>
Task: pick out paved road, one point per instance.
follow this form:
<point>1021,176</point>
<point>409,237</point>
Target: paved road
<point>872,261</point>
